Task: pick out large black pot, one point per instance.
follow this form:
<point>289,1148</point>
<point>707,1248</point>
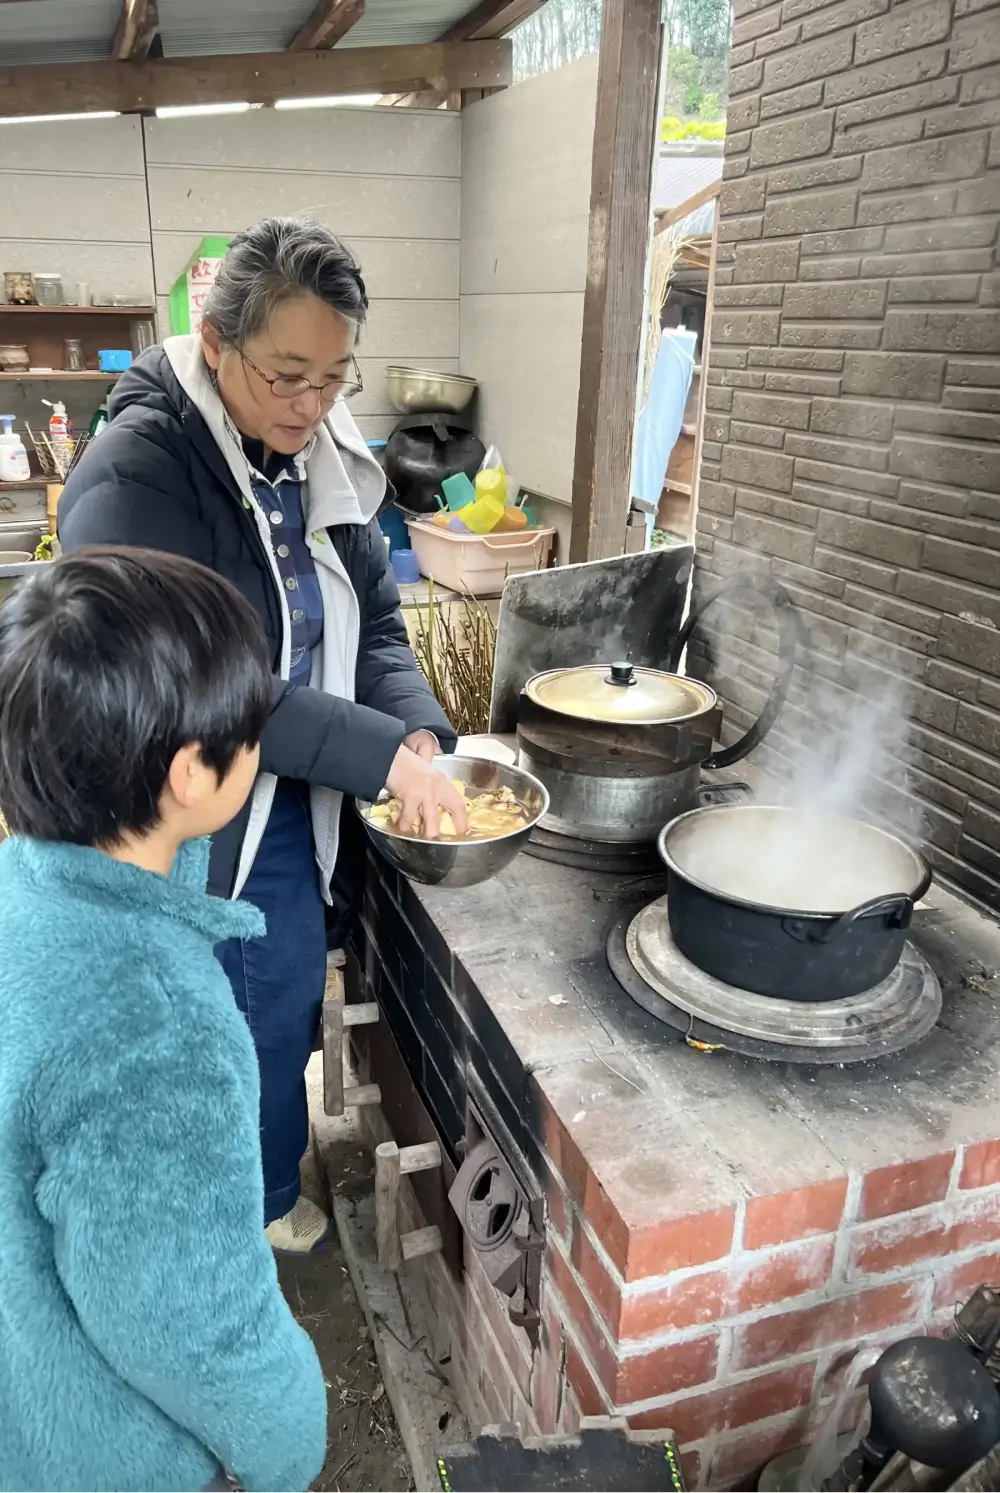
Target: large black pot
<point>789,903</point>
<point>425,449</point>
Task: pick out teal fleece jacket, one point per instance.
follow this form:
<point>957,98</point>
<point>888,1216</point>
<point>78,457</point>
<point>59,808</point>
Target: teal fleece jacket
<point>144,1340</point>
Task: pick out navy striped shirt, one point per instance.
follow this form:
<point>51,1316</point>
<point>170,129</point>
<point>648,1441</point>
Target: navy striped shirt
<point>279,487</point>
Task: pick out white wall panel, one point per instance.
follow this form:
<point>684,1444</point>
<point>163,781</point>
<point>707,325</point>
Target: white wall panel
<point>526,157</point>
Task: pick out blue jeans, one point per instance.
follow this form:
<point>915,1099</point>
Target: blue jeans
<point>278,982</point>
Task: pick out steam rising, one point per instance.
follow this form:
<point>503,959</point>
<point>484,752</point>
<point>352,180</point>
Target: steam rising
<point>840,748</point>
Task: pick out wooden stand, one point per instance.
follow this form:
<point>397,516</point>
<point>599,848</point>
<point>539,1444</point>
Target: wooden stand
<point>336,1018</point>
<point>391,1163</point>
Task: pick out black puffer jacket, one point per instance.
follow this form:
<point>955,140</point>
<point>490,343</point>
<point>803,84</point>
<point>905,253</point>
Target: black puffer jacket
<point>156,478</point>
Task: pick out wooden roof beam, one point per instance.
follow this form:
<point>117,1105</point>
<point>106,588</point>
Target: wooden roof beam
<point>492,18</point>
<point>134,87</point>
<point>668,216</point>
<point>329,24</point>
<point>137,26</point>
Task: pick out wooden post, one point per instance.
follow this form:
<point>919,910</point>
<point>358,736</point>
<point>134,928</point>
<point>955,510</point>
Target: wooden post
<point>390,1164</point>
<point>336,1017</point>
<point>706,342</point>
<point>390,1254</point>
<point>620,190</point>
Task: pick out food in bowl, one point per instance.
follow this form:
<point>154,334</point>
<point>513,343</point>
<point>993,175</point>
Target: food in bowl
<point>492,814</point>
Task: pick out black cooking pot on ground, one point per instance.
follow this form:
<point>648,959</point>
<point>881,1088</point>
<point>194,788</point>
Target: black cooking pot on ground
<point>793,903</point>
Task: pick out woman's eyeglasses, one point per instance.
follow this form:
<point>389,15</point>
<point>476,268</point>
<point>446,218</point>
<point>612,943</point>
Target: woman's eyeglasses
<point>293,386</point>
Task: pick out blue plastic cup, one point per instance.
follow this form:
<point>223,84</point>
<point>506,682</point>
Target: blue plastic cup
<point>405,567</point>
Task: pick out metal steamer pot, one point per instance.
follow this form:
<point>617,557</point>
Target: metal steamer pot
<point>621,748</point>
<point>793,903</point>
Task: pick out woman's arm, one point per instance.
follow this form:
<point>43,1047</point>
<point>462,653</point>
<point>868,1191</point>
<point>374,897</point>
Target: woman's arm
<point>152,1186</point>
<point>388,676</point>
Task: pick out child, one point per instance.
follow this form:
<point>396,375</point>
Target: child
<point>144,1341</point>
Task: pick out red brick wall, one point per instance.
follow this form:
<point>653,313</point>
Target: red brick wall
<point>737,1341</point>
<point>852,436</point>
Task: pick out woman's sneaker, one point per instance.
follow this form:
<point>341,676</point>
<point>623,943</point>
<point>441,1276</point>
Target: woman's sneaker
<point>299,1232</point>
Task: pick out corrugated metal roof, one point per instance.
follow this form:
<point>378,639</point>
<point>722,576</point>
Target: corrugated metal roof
<point>56,30</point>
<point>39,31</point>
<point>678,177</point>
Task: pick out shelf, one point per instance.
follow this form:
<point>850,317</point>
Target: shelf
<point>7,310</point>
<point>88,376</point>
<point>31,485</point>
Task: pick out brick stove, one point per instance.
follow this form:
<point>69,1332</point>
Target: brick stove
<point>720,1232</point>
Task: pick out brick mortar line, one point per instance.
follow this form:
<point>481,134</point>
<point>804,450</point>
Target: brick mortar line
<point>570,1332</point>
<point>710,1446</point>
<point>737,1378</point>
<point>842,1234</point>
<point>636,1290</point>
<point>918,1273</point>
<point>954,1189</point>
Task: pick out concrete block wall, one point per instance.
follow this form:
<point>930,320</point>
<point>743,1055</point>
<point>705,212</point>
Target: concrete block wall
<point>852,440</point>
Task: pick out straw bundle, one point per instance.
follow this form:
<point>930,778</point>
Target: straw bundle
<point>456,657</point>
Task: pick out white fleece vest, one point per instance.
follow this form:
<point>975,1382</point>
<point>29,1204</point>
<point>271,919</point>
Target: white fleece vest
<point>344,485</point>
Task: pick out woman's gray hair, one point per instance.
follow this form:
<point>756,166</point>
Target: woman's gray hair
<point>277,260</point>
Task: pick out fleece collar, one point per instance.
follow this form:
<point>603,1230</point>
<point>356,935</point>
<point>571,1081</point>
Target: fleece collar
<point>334,498</point>
<point>179,897</point>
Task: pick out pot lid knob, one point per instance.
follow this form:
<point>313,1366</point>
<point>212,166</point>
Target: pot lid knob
<point>622,674</point>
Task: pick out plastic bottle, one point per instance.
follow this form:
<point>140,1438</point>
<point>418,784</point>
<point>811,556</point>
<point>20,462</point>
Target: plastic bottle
<point>99,419</point>
<point>59,434</point>
<point>13,457</point>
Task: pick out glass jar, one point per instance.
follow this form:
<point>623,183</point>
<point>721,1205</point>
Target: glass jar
<point>49,290</point>
<point>73,356</point>
<point>143,337</point>
<point>19,288</point>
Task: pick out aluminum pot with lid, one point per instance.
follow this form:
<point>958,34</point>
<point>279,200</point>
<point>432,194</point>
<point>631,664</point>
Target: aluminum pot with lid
<point>799,904</point>
<point>618,747</point>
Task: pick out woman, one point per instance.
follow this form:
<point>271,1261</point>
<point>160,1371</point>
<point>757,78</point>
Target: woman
<point>235,447</point>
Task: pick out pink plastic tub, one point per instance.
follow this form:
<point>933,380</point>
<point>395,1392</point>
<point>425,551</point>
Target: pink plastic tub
<point>477,563</point>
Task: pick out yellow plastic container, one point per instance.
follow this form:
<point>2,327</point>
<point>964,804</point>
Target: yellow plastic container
<point>482,516</point>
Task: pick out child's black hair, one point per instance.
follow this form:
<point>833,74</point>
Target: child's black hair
<point>111,661</point>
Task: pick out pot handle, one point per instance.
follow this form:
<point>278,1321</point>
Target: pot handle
<point>714,793</point>
<point>792,635</point>
<point>900,905</point>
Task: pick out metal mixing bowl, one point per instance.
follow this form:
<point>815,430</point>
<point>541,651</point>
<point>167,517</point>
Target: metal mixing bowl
<point>467,863</point>
<point>413,390</point>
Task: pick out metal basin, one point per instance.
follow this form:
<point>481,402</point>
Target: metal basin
<point>414,390</point>
<point>447,864</point>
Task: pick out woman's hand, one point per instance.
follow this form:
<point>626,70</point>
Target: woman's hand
<point>424,743</point>
<point>424,791</point>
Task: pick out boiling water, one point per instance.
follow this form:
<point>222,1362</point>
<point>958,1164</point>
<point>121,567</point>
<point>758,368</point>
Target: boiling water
<point>791,859</point>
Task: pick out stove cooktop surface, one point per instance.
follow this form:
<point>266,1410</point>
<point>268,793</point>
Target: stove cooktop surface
<point>694,1006</point>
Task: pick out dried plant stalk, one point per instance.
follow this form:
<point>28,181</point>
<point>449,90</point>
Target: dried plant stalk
<point>456,657</point>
